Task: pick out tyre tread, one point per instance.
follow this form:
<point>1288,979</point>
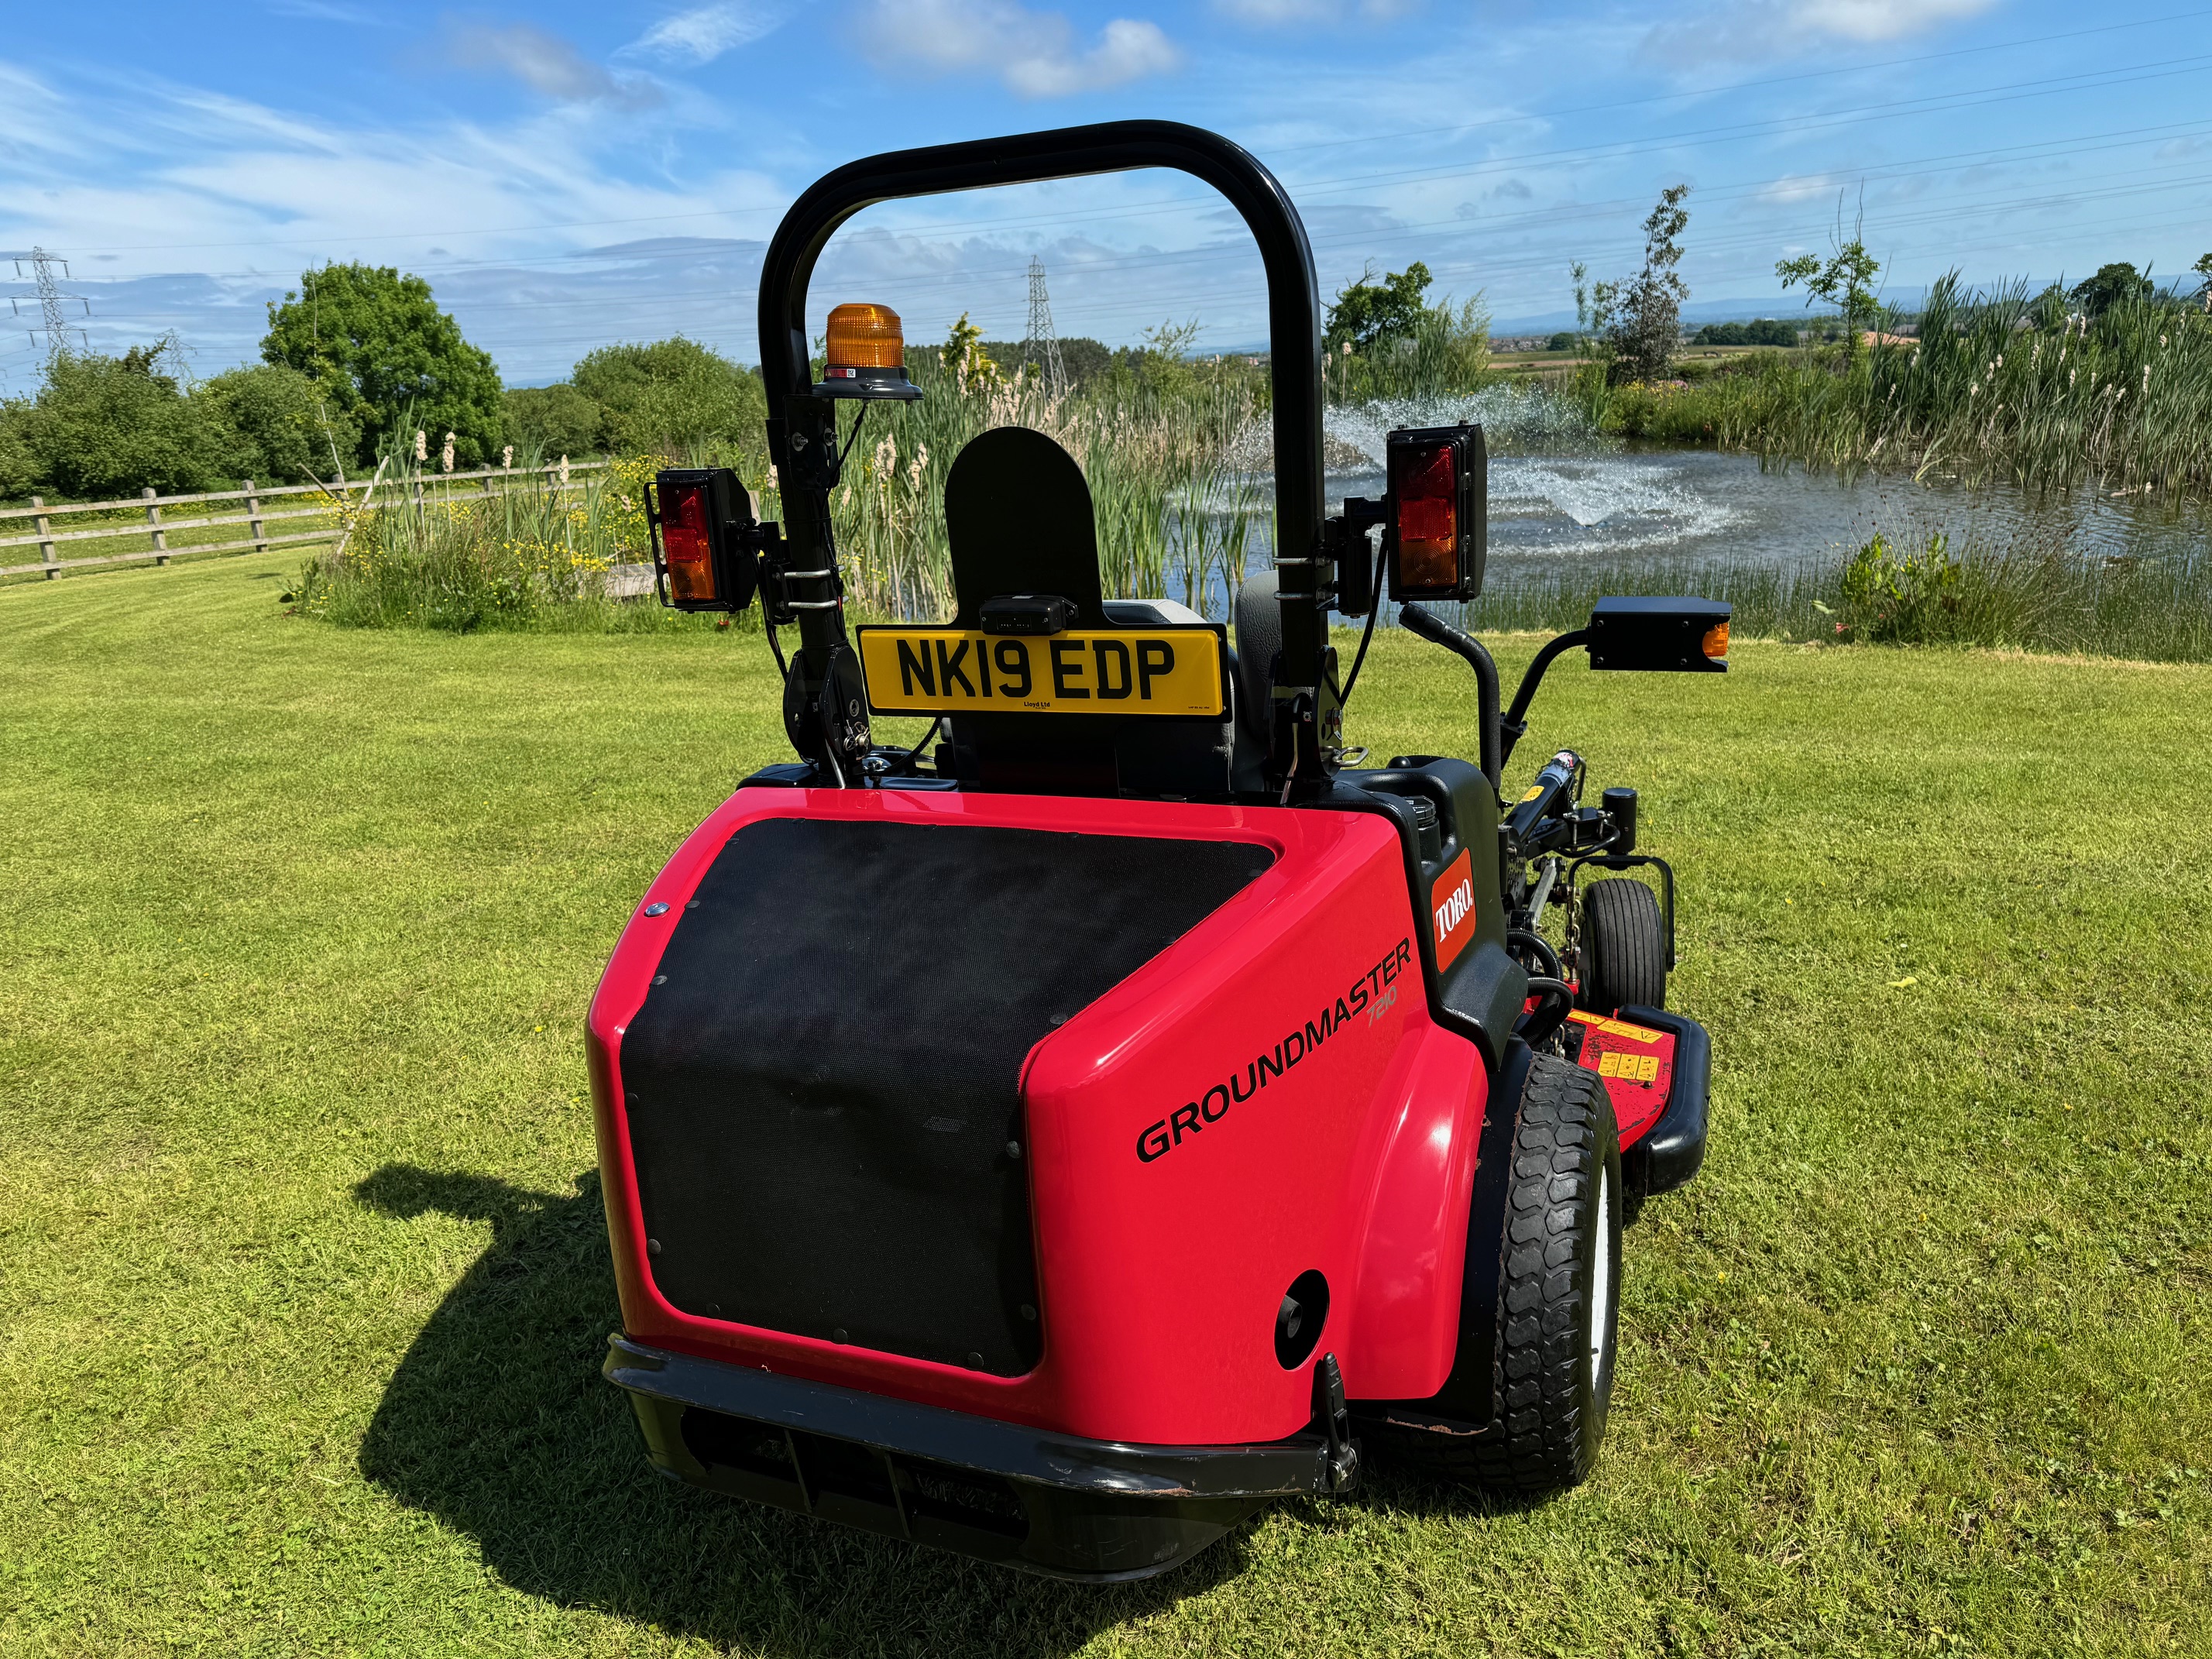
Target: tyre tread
<point>1535,1443</point>
<point>1624,946</point>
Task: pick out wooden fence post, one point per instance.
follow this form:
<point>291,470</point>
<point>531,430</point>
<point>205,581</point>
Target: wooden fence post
<point>253,517</point>
<point>153,518</point>
<point>46,555</point>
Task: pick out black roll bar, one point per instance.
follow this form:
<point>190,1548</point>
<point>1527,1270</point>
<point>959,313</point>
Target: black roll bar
<point>800,422</point>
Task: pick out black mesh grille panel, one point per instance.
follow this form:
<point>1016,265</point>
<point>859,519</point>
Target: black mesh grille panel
<point>822,1082</point>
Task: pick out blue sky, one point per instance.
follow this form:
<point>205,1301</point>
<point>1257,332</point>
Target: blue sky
<point>567,175</point>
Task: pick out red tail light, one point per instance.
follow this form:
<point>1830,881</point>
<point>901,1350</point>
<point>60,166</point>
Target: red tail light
<point>703,526</point>
<point>1435,536</point>
<point>1428,519</point>
<point>685,544</point>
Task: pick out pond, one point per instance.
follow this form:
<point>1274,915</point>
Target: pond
<point>1565,500</point>
<point>1560,497</point>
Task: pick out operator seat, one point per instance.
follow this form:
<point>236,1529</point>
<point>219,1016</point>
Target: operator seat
<point>1018,520</point>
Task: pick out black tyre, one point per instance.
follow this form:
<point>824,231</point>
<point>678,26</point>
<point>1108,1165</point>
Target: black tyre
<point>1551,1331</point>
<point>1623,949</point>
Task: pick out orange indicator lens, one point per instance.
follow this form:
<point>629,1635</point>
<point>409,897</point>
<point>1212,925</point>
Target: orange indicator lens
<point>866,337</point>
<point>684,542</point>
<point>1428,520</point>
<point>1716,642</point>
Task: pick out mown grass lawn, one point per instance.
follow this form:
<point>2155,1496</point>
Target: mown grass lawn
<point>302,1282</point>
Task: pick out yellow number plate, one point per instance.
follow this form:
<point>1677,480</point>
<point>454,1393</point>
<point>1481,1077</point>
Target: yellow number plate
<point>1121,671</point>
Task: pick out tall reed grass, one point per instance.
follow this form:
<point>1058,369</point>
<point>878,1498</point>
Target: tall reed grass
<point>537,553</point>
<point>2000,385</point>
<point>1906,586</point>
<point>1176,484</point>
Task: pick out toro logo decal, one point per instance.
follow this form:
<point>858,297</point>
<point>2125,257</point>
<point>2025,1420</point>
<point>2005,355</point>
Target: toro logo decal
<point>1372,994</point>
<point>1451,908</point>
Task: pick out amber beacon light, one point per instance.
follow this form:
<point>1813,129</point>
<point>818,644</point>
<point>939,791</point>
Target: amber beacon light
<point>866,356</point>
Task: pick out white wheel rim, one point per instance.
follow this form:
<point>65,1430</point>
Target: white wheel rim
<point>1601,1278</point>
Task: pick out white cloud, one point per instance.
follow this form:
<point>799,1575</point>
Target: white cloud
<point>545,63</point>
<point>1793,188</point>
<point>1033,52</point>
<point>1880,20</point>
<point>1758,30</point>
<point>705,32</point>
<point>1270,13</point>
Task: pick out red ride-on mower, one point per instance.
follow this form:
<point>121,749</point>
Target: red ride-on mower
<point>1052,1142</point>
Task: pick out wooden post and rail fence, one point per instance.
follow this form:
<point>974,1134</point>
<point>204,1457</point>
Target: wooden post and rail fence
<point>156,530</point>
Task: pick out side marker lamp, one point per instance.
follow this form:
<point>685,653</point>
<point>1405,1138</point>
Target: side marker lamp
<point>866,352</point>
<point>1652,635</point>
<point>1435,528</point>
<point>703,527</point>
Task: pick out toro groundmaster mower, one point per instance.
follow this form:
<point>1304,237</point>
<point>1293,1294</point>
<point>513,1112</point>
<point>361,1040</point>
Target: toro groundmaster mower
<point>1054,1141</point>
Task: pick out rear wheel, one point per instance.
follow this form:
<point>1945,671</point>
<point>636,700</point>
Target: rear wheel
<point>1623,948</point>
<point>1551,1331</point>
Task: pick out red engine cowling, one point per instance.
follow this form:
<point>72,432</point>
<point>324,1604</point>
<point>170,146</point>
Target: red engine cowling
<point>1261,1098</point>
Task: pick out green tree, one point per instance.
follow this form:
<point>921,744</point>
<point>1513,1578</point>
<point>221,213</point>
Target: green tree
<point>669,394</point>
<point>1642,317</point>
<point>2203,268</point>
<point>2110,286</point>
<point>967,360</point>
<point>548,421</point>
<point>1368,313</point>
<point>1844,280</point>
<point>19,467</point>
<point>111,426</point>
<point>1083,358</point>
<point>388,360</point>
<point>275,426</point>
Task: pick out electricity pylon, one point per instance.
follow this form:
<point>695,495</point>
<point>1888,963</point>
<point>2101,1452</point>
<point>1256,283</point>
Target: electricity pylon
<point>1041,346</point>
<point>52,301</point>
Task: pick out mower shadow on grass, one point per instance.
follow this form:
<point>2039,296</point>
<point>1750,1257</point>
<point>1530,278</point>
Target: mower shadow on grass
<point>498,1423</point>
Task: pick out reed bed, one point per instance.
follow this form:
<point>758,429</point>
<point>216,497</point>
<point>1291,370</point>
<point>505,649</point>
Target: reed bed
<point>1904,587</point>
<point>1178,479</point>
<point>1174,485</point>
<point>2003,384</point>
<point>423,553</point>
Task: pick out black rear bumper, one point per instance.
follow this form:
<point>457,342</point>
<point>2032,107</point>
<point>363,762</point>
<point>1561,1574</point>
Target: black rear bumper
<point>1092,1509</point>
<point>1671,1153</point>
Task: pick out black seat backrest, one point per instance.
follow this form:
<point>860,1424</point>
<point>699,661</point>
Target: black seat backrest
<point>1018,520</point>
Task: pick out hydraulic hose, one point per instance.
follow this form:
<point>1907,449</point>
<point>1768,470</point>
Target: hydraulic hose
<point>1438,632</point>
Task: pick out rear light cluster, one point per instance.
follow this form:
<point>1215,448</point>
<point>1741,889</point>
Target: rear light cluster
<point>702,518</point>
<point>1435,530</point>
